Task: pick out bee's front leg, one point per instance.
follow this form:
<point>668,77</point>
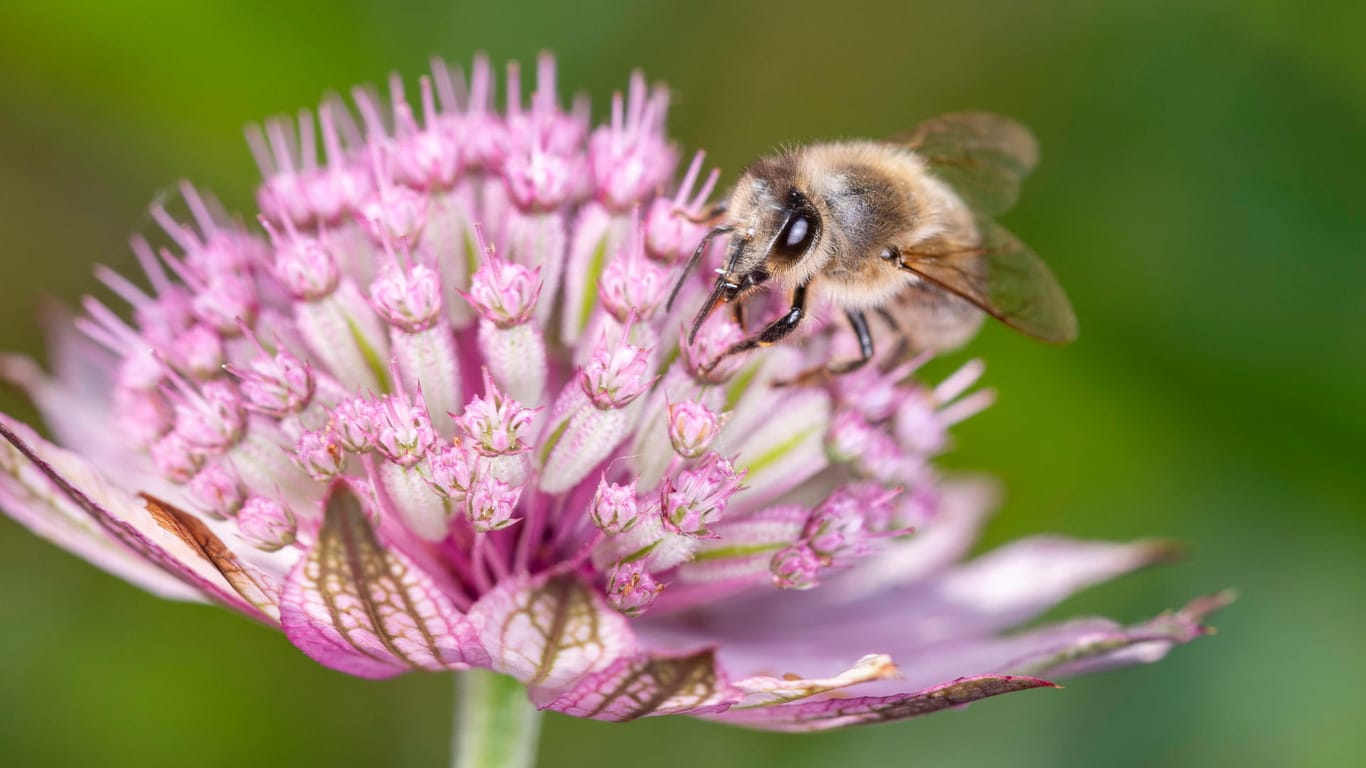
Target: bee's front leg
<point>773,332</point>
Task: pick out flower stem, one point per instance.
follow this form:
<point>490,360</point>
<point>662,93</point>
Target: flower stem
<point>496,726</point>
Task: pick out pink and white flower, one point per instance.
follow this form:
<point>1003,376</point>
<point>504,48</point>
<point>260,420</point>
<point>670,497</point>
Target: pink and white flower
<point>402,484</point>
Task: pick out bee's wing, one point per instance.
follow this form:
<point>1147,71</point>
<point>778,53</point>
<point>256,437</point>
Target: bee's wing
<point>983,156</point>
<point>1003,277</point>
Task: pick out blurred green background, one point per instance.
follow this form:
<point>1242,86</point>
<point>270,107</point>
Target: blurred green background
<point>1200,197</point>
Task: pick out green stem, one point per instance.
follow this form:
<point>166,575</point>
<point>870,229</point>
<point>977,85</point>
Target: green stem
<point>496,726</point>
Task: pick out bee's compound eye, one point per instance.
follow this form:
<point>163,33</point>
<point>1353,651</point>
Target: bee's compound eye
<point>796,236</point>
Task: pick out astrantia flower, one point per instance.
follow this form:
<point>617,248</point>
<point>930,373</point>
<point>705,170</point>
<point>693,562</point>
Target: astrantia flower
<point>414,444</point>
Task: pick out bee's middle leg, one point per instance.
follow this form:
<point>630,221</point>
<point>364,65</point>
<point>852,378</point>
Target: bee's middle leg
<point>859,323</point>
<point>903,339</point>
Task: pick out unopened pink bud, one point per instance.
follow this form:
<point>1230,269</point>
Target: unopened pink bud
<point>503,292</point>
<point>282,198</point>
<point>339,189</point>
<point>198,351</point>
<point>217,492</point>
<point>490,504</point>
<point>403,431</point>
<point>539,180</point>
<point>918,425</point>
<point>848,435</point>
<point>795,567</point>
<point>697,498</point>
<point>673,228</point>
<point>497,424</point>
<point>835,529</point>
<point>276,385</point>
<point>266,524</point>
<point>175,458</point>
<point>629,157</point>
<point>614,377</point>
<point>354,422</point>
<point>614,507</point>
<point>305,267</point>
<point>319,453</point>
<point>626,174</point>
<point>142,414</point>
<point>213,420</point>
<point>450,471</point>
<point>429,157</point>
<point>633,286</point>
<point>630,587</point>
<point>393,214</point>
<point>408,299</point>
<point>227,299</point>
<point>692,428</point>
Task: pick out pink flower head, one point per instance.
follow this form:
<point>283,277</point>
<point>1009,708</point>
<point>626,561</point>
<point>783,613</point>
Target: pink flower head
<point>300,189</point>
<point>543,157</point>
<point>175,458</point>
<point>795,566</point>
<point>209,244</point>
<point>482,128</point>
<point>223,298</point>
<point>583,526</point>
<point>392,213</point>
<point>142,415</point>
<point>198,351</point>
<point>924,417</point>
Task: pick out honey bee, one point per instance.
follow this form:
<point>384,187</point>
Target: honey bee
<point>901,228</point>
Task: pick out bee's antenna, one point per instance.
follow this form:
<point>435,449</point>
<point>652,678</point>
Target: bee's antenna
<point>692,261</point>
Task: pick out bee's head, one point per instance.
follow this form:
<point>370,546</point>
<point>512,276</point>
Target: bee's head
<point>774,227</point>
<point>775,231</point>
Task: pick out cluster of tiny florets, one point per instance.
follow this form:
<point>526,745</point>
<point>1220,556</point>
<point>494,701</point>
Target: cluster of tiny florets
<point>461,308</point>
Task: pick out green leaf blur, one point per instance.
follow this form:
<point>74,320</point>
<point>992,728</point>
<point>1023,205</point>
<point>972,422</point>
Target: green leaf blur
<point>1200,197</point>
